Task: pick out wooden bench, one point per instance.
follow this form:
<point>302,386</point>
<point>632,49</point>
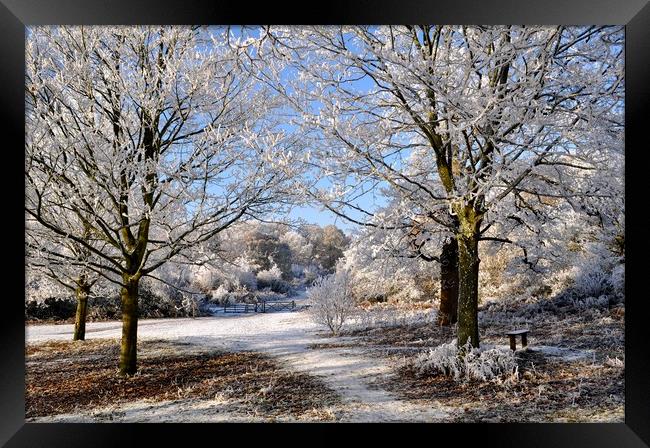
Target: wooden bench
<point>513,335</point>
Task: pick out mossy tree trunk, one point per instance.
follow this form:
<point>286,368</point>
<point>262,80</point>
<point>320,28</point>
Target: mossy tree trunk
<point>128,348</point>
<point>448,312</point>
<point>468,268</point>
<point>136,244</point>
<point>82,293</point>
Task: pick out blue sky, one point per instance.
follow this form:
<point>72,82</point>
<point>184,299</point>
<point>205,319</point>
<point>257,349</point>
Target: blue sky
<point>315,213</point>
<point>319,215</point>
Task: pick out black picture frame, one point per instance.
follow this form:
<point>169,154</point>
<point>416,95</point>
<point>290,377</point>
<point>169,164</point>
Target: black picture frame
<point>635,14</point>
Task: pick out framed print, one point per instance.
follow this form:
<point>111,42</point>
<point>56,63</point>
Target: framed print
<point>238,215</point>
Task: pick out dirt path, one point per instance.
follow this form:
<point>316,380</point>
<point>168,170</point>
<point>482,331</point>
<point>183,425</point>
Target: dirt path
<point>351,374</point>
<point>286,336</point>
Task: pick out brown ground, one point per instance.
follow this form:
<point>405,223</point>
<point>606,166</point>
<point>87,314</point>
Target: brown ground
<point>601,331</point>
<point>65,377</point>
<point>547,389</point>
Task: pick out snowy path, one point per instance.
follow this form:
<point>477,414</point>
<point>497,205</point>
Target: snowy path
<point>285,336</point>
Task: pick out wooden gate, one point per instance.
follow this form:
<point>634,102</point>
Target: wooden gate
<point>262,307</point>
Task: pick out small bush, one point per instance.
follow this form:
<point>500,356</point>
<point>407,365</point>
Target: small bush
<point>272,279</point>
<point>614,362</point>
<point>599,274</point>
<point>331,301</point>
<point>310,274</point>
<point>617,279</point>
<point>219,296</point>
<point>222,296</point>
<point>470,363</point>
<point>592,281</point>
<point>386,315</point>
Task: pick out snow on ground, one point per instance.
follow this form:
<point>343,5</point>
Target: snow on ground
<point>283,335</point>
<point>565,354</point>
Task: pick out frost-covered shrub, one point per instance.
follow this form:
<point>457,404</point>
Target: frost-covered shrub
<point>592,279</point>
<point>617,279</point>
<point>222,295</point>
<point>310,274</point>
<point>177,305</point>
<point>203,278</point>
<point>246,278</point>
<point>106,307</point>
<point>562,281</point>
<point>103,307</point>
<point>386,315</point>
<point>384,284</point>
<point>241,294</point>
<point>268,296</point>
<point>219,295</point>
<point>489,363</point>
<point>482,363</point>
<point>190,306</point>
<point>269,275</point>
<point>237,274</point>
<point>377,274</point>
<point>614,362</point>
<point>272,278</point>
<point>442,359</point>
<point>591,302</point>
<point>297,270</point>
<point>331,301</point>
<point>597,272</point>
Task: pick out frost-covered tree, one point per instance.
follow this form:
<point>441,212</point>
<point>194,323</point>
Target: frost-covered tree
<point>468,124</point>
<point>264,246</point>
<point>67,263</point>
<point>251,256</point>
<point>382,269</point>
<point>327,245</point>
<point>155,138</point>
<point>277,243</point>
<point>396,231</point>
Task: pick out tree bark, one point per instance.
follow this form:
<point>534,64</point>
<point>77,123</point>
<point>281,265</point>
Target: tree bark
<point>470,217</point>
<point>82,292</point>
<point>448,313</point>
<point>468,262</point>
<point>128,349</point>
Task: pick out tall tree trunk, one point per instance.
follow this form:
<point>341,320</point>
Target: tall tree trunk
<point>468,234</point>
<point>448,313</point>
<point>468,262</point>
<point>128,349</point>
<point>82,293</point>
